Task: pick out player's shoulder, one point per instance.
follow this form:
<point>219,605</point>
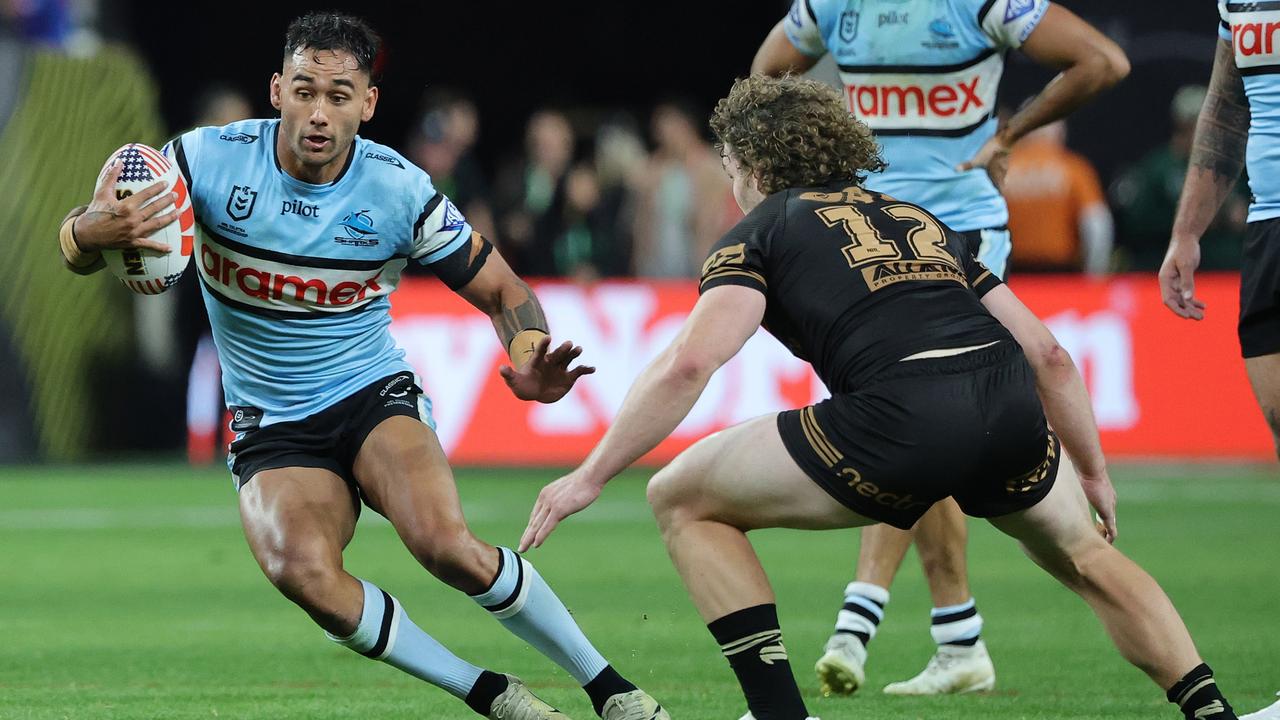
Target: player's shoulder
<point>233,137</point>
<point>210,145</point>
<point>1007,22</point>
<point>822,12</point>
<point>388,174</point>
<point>386,160</point>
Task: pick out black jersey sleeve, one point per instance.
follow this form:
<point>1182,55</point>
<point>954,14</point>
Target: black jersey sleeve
<point>739,257</point>
<point>979,276</point>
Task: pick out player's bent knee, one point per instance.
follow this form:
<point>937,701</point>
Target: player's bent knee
<point>453,555</point>
<point>306,580</point>
<point>669,493</point>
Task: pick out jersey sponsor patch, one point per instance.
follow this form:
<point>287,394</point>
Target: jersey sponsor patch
<point>950,101</point>
<point>277,284</point>
<point>1254,27</point>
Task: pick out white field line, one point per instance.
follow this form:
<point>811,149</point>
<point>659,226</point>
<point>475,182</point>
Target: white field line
<point>1132,493</point>
<point>218,516</point>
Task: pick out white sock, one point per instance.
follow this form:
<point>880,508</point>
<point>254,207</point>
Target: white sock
<point>523,602</point>
<point>956,624</point>
<point>863,610</point>
<point>386,633</point>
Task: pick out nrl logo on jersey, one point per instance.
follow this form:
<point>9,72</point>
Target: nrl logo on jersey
<point>243,138</point>
<point>241,201</point>
<point>849,25</point>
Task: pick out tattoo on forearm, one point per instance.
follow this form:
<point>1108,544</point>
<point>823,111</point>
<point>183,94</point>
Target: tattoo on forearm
<point>525,314</point>
<point>1223,129</point>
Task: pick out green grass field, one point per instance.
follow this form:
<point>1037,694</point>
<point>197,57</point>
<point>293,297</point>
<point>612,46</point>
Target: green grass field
<point>128,592</point>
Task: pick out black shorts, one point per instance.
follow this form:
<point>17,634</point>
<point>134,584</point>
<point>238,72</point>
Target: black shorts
<point>968,426</point>
<point>1259,326</point>
<point>328,439</point>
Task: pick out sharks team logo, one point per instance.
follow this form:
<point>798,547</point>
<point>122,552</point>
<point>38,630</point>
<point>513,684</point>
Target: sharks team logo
<point>358,226</point>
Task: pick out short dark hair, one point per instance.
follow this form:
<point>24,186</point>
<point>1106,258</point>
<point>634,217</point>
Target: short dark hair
<point>335,31</point>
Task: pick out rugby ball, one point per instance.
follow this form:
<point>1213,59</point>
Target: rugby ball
<point>150,272</point>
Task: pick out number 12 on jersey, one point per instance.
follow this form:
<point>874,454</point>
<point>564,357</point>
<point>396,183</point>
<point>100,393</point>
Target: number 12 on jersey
<point>868,245</point>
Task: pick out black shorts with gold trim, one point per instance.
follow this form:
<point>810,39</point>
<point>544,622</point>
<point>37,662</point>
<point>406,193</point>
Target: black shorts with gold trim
<point>968,426</point>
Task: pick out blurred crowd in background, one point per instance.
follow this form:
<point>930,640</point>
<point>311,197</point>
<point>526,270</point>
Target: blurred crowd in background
<point>646,197</point>
<point>594,191</point>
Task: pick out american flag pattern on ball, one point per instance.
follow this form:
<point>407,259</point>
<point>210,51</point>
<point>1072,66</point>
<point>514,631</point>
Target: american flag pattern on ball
<point>141,164</point>
<point>148,272</point>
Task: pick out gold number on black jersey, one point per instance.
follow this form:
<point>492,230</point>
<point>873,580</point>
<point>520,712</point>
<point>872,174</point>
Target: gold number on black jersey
<point>925,236</point>
<point>927,240</point>
<point>868,244</point>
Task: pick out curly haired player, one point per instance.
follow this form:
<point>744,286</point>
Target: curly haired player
<point>942,385</point>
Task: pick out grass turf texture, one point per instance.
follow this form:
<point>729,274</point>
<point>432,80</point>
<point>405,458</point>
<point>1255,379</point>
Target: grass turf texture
<point>129,593</point>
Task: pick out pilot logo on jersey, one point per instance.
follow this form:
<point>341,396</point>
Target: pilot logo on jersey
<point>240,202</point>
<point>358,227</point>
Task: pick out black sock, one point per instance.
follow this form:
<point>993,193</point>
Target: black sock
<point>1198,696</point>
<point>751,641</point>
<point>487,688</point>
<point>605,685</point>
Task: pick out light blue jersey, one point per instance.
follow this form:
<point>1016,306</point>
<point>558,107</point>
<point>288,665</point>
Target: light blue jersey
<point>923,75</point>
<point>295,276</point>
<point>1253,29</point>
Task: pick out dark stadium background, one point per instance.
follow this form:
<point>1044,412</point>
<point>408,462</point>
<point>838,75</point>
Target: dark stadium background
<point>593,58</point>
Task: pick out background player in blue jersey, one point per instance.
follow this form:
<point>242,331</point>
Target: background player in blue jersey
<point>303,229</point>
<point>923,74</point>
<point>1239,126</point>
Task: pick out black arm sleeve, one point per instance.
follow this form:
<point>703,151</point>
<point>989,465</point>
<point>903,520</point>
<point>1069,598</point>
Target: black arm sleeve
<point>739,257</point>
<point>460,266</point>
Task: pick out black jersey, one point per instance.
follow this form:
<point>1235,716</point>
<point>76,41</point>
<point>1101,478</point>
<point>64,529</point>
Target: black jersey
<point>856,280</point>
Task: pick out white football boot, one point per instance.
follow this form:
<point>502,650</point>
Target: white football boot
<point>1270,712</point>
<point>841,667</point>
<point>953,669</point>
<point>634,705</point>
<point>518,703</point>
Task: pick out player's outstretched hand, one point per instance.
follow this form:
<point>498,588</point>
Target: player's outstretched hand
<point>128,223</point>
<point>1178,279</point>
<point>546,377</point>
<point>1102,497</point>
<point>557,501</point>
<point>993,157</point>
